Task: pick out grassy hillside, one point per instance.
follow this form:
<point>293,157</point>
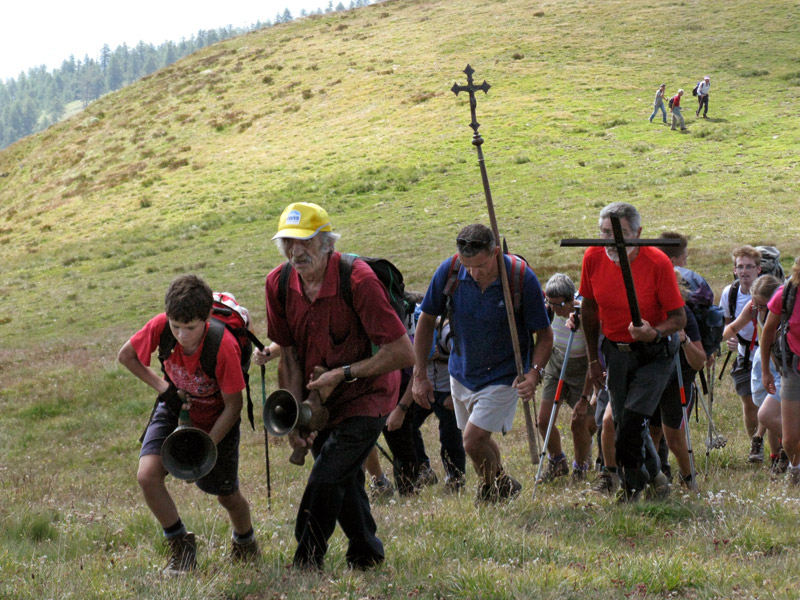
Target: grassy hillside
<point>189,169</point>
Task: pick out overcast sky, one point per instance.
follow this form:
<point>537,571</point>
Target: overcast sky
<point>47,32</point>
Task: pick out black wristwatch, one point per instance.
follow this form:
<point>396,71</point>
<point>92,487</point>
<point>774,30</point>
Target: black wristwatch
<point>348,376</point>
<point>657,338</point>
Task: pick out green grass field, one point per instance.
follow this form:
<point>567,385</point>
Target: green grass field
<point>188,170</point>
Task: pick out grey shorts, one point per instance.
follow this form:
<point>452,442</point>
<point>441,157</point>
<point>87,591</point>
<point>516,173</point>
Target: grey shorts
<point>740,373</point>
<point>574,378</point>
<point>223,480</point>
<point>790,386</point>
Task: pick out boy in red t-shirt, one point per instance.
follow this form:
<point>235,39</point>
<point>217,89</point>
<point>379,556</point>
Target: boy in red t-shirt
<point>215,407</point>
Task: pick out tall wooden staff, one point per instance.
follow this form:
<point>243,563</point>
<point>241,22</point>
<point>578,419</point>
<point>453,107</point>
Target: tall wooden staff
<point>477,141</point>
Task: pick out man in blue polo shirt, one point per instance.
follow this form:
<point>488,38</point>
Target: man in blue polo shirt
<point>483,374</point>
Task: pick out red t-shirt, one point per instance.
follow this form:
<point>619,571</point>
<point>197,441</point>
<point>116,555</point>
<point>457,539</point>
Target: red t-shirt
<point>676,101</point>
<point>653,278</point>
<point>187,373</point>
<point>327,332</point>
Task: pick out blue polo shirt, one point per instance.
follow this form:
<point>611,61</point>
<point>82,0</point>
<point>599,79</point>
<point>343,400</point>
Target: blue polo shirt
<point>482,352</point>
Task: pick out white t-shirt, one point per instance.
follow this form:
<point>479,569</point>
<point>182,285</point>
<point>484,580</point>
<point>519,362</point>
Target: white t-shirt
<point>742,300</point>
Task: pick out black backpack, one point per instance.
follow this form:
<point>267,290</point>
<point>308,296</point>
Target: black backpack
<point>694,91</point>
<point>671,102</point>
<point>386,272</point>
<point>228,314</point>
<point>709,316</point>
<point>780,349</point>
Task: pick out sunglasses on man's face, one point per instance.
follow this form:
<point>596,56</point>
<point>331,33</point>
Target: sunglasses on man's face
<point>471,245</point>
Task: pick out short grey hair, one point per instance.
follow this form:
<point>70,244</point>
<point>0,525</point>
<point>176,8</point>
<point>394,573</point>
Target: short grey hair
<point>560,286</point>
<point>623,210</point>
<point>327,241</point>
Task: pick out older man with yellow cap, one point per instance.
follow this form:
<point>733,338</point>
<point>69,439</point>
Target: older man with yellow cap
<point>315,326</point>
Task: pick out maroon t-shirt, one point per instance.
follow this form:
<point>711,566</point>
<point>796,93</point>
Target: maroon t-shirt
<point>328,333</point>
<point>187,373</point>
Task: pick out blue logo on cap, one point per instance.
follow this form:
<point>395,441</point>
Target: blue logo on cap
<point>293,218</point>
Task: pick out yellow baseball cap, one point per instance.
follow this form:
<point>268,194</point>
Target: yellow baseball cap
<point>302,221</point>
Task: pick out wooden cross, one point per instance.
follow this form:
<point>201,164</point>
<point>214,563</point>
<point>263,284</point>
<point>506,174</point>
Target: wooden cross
<point>622,243</point>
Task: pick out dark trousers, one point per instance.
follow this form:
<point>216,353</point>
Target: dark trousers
<point>454,459</point>
<point>405,463</point>
<point>636,381</point>
<point>335,492</point>
<point>702,104</point>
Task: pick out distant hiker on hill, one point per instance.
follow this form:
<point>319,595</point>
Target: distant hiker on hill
<point>483,375</point>
<point>658,103</point>
<point>702,97</point>
<point>639,360</point>
<point>675,109</point>
<point>733,300</point>
<point>215,408</point>
<point>316,325</point>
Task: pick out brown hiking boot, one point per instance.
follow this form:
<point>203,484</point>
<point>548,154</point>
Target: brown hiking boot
<point>246,552</point>
<point>427,476</point>
<point>183,555</point>
<point>658,488</point>
<point>507,486</point>
<point>554,468</point>
<point>606,484</point>
<point>503,488</point>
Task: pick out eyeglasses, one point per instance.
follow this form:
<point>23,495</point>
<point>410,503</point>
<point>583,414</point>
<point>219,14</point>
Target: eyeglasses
<point>556,304</point>
<point>609,233</point>
<point>466,245</point>
<point>745,267</point>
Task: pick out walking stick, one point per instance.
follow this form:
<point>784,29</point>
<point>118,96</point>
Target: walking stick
<point>682,387</point>
<point>266,437</point>
<point>477,141</point>
<point>556,400</point>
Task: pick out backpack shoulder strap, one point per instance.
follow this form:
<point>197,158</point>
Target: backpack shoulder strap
<point>166,344</point>
<point>452,278</point>
<point>345,272</point>
<point>787,303</point>
<point>208,355</point>
<point>733,295</point>
<point>283,282</point>
<point>516,280</point>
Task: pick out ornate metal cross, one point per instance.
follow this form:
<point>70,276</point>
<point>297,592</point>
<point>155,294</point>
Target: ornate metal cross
<point>471,88</point>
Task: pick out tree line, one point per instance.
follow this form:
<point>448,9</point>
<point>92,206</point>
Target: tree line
<point>38,98</point>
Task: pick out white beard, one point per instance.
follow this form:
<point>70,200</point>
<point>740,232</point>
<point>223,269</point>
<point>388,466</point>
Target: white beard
<point>611,252</point>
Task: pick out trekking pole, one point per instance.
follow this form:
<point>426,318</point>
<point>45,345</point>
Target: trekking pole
<point>388,456</point>
<point>266,437</point>
<point>710,379</point>
<point>257,343</point>
<point>556,400</point>
<point>682,387</point>
<point>725,364</point>
<point>477,141</point>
